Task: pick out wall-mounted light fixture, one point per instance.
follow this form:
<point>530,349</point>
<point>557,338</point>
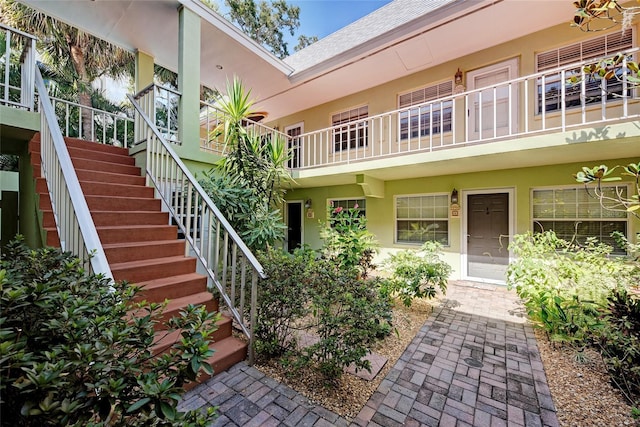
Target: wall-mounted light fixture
<point>458,77</point>
<point>458,83</point>
<point>454,197</point>
<point>307,204</point>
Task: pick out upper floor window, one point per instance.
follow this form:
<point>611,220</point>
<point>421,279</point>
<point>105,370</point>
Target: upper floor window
<point>427,118</point>
<point>350,130</point>
<point>575,215</point>
<point>422,218</point>
<point>597,47</point>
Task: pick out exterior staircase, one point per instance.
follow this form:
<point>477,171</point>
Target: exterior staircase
<point>140,244</point>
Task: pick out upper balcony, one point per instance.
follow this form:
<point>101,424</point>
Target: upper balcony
<point>515,111</point>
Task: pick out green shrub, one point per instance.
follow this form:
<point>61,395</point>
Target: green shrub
<point>619,341</point>
<point>580,294</point>
<point>416,274</point>
<point>563,285</point>
<point>348,315</point>
<point>347,242</point>
<point>308,295</point>
<point>283,299</point>
<point>72,354</point>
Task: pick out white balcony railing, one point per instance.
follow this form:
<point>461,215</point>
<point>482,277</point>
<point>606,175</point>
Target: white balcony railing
<point>212,121</point>
<point>534,104</point>
<point>17,68</point>
<point>160,104</point>
<point>100,126</point>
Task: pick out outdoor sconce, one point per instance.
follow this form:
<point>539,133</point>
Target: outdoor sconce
<point>458,83</point>
<point>455,207</point>
<point>307,204</point>
<point>458,79</point>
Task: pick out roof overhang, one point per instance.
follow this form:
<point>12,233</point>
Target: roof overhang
<point>452,31</point>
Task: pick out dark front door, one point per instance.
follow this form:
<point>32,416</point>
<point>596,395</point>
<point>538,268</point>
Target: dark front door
<point>294,225</point>
<point>488,235</point>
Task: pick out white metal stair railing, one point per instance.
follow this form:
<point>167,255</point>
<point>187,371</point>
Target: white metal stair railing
<point>106,127</point>
<point>19,53</point>
<point>76,229</point>
<point>228,263</point>
<point>160,104</point>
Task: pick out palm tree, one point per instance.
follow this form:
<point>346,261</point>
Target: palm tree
<point>80,57</point>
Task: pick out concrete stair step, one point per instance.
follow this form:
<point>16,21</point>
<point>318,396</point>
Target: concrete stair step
<point>136,251</point>
<point>150,269</point>
<point>178,304</point>
<point>107,218</point>
<point>120,204</point>
<point>83,144</point>
<point>227,353</point>
<point>91,151</point>
<point>139,233</point>
<point>157,290</point>
<point>93,188</point>
<point>100,166</point>
<point>115,178</point>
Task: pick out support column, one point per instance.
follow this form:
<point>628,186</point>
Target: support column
<point>144,71</point>
<point>189,83</point>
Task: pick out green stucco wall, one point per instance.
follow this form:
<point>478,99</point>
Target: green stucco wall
<point>381,211</point>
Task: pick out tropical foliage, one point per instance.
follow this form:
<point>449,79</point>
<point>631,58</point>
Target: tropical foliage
<point>592,178</point>
<point>582,296</point>
<point>73,55</point>
<point>77,350</point>
<point>248,184</point>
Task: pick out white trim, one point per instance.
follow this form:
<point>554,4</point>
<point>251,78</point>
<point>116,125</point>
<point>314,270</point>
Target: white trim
<point>302,216</point>
<point>511,191</point>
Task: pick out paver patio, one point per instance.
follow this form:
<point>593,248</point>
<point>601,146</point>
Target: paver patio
<point>474,362</point>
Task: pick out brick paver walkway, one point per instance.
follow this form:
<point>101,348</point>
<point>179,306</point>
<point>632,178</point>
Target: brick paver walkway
<point>475,362</point>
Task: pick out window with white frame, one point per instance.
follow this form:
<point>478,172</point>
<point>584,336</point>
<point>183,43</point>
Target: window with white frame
<point>359,204</point>
<point>350,130</point>
<point>422,218</point>
<point>429,117</point>
<point>596,47</point>
<point>574,214</point>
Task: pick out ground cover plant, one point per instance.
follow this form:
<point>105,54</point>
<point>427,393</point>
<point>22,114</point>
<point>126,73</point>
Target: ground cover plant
<point>582,296</point>
<point>73,354</point>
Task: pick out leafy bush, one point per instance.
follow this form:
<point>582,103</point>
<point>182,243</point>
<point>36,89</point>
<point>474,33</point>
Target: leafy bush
<point>416,274</point>
<point>583,296</point>
<point>347,242</point>
<point>619,341</point>
<point>282,299</point>
<point>564,285</point>
<point>348,315</point>
<point>72,353</point>
<point>308,295</point>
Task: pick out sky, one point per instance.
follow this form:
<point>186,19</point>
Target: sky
<point>323,17</point>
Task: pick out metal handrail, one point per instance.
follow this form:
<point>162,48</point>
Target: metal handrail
<point>149,98</point>
<point>121,123</point>
<point>76,229</point>
<point>216,245</point>
<point>27,63</point>
<point>212,119</point>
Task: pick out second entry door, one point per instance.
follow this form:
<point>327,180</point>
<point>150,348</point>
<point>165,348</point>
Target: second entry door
<point>488,236</point>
